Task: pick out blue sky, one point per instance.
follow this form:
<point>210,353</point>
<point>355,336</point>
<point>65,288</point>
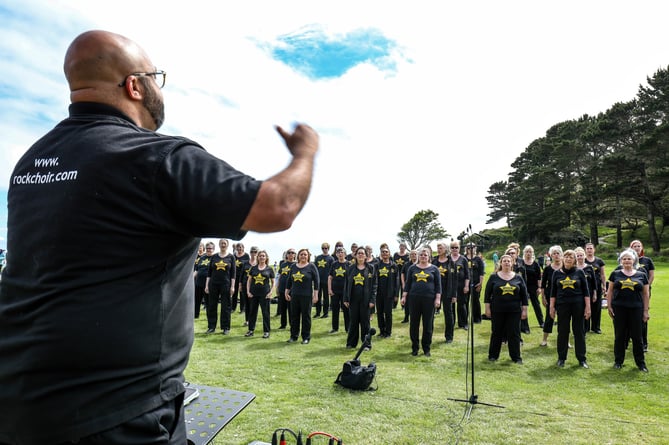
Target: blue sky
<point>419,105</point>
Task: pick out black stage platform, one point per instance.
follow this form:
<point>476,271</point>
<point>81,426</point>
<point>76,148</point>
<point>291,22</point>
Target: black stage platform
<point>214,408</point>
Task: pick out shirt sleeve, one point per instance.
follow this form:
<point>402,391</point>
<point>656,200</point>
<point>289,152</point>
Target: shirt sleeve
<point>201,195</point>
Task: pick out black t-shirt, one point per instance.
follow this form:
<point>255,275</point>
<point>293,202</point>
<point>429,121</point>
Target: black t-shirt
<point>202,269</point>
<point>628,290</point>
<point>222,269</point>
<point>338,274</point>
<point>424,283</point>
<point>402,261</point>
<point>302,280</point>
<point>261,280</point>
<point>569,286</point>
<point>284,271</point>
<point>443,272</point>
<point>96,304</point>
<point>323,263</point>
<point>531,273</point>
<point>597,263</point>
<point>505,295</point>
<point>240,266</point>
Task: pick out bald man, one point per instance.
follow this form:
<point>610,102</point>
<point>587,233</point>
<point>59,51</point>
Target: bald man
<point>105,218</point>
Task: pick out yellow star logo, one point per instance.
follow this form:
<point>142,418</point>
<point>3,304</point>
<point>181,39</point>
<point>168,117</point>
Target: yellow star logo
<point>627,284</point>
<point>221,265</point>
<point>285,270</point>
<point>568,283</point>
<point>259,279</point>
<point>206,262</point>
<point>238,263</point>
<point>383,272</point>
<point>340,272</point>
<point>298,276</point>
<point>507,289</point>
<point>359,279</point>
<point>399,262</point>
<point>442,270</point>
<point>322,263</point>
<point>421,276</point>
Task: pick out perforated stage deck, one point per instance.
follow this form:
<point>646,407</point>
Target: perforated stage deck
<point>214,408</point>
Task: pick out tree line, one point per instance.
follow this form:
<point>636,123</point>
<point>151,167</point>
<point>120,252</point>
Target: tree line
<point>609,170</point>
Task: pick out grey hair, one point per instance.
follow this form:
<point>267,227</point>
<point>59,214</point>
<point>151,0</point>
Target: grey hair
<point>555,249</point>
<point>631,252</point>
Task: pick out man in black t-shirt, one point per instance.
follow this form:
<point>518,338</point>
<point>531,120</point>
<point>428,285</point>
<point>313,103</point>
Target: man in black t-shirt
<point>93,347</point>
<point>323,263</point>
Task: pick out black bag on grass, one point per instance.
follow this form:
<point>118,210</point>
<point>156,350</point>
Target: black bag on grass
<point>356,376</point>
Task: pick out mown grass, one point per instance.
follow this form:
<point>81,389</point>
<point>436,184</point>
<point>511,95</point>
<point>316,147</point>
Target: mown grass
<point>293,384</point>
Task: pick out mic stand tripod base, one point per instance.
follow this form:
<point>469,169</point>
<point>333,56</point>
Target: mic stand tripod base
<point>474,400</point>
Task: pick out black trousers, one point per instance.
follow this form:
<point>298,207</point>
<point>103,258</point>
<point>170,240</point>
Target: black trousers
<point>505,325</point>
<point>571,314</point>
<point>337,306</point>
<point>282,308</point>
<point>164,425</point>
<point>199,297</point>
<point>627,323</point>
<point>449,319</point>
<point>548,322</point>
<point>300,310</point>
<point>323,303</point>
<point>216,292</point>
<point>536,305</point>
<point>384,311</point>
<point>241,294</point>
<point>359,321</point>
<point>421,309</point>
<point>463,310</point>
<point>253,304</point>
<point>594,324</point>
<point>476,305</point>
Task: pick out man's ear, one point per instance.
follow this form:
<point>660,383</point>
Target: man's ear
<point>133,88</point>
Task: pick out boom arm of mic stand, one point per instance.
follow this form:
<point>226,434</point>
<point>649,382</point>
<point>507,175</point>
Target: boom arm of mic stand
<point>367,342</point>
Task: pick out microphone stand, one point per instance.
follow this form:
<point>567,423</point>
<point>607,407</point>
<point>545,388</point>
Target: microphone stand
<point>366,342</point>
<point>473,398</point>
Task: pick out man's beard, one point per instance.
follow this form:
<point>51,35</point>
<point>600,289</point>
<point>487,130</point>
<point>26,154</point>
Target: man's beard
<point>153,103</point>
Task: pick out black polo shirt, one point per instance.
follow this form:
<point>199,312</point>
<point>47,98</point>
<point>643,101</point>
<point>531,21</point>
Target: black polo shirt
<point>96,320</point>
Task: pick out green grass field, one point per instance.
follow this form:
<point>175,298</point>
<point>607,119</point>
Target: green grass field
<point>293,384</point>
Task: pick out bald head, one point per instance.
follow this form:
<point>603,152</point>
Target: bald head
<point>98,57</point>
<point>96,62</point>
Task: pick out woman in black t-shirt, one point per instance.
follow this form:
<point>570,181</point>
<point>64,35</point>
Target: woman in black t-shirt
<point>628,298</point>
<point>423,291</point>
<point>505,301</point>
<point>645,264</point>
<point>555,255</point>
<point>259,287</point>
<point>531,272</point>
<point>336,283</point>
<point>570,300</point>
<point>359,296</point>
<point>302,293</point>
<point>282,307</point>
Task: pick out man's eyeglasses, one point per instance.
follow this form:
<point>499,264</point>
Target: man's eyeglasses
<point>159,76</point>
